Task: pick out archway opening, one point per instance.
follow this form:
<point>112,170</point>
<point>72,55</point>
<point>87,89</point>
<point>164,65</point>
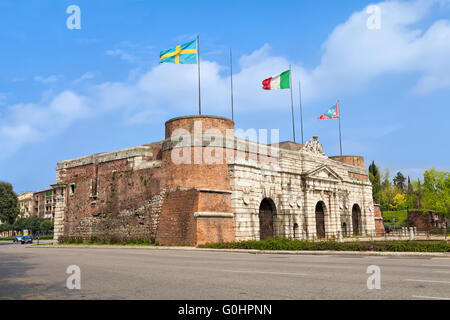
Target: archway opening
<point>356,219</point>
<point>320,220</point>
<point>295,231</point>
<point>344,229</point>
<point>267,211</point>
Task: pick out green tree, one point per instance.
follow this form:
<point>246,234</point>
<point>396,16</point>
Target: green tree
<point>375,179</point>
<point>20,224</point>
<point>410,197</point>
<point>400,181</point>
<point>46,226</point>
<point>387,193</point>
<point>418,194</point>
<point>34,223</point>
<point>5,227</point>
<point>436,191</point>
<point>9,205</point>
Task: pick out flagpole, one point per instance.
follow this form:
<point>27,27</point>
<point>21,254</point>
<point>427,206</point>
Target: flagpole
<point>198,64</point>
<point>292,102</point>
<point>340,136</point>
<point>301,107</point>
<point>231,77</point>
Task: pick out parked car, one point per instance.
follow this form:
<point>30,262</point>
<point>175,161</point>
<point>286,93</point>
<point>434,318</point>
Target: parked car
<point>18,238</point>
<point>26,239</point>
<point>387,229</point>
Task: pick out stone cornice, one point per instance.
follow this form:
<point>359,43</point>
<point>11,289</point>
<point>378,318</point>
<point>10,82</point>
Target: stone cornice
<point>213,215</point>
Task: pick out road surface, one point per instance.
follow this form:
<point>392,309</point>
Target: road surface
<point>40,273</point>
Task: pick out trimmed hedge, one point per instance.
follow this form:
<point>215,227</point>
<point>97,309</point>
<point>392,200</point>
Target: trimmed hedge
<point>46,238</point>
<point>40,238</point>
<point>110,240</point>
<point>299,245</point>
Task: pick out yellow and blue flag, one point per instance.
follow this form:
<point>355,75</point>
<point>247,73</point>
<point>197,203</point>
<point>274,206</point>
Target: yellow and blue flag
<point>182,54</point>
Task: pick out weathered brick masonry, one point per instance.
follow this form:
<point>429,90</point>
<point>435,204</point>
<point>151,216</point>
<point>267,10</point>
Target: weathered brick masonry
<point>201,184</point>
<point>379,220</point>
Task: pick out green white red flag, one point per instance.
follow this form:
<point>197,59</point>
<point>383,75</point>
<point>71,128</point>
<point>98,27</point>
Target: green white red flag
<point>281,81</point>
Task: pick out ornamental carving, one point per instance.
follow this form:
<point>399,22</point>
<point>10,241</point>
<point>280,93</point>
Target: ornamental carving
<point>313,146</point>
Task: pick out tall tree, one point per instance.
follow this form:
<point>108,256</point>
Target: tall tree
<point>388,192</point>
<point>400,181</point>
<point>436,191</point>
<point>9,205</point>
<point>46,226</point>
<point>418,194</point>
<point>410,195</point>
<point>375,179</point>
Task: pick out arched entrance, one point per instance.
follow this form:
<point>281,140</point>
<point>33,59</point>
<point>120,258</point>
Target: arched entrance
<point>267,211</point>
<point>344,229</point>
<point>320,220</point>
<point>356,219</point>
<point>295,230</point>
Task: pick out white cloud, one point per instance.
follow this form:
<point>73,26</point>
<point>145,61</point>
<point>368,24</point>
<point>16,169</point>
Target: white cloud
<point>47,80</point>
<point>86,76</point>
<point>122,55</point>
<point>3,97</point>
<point>352,56</point>
<point>24,124</point>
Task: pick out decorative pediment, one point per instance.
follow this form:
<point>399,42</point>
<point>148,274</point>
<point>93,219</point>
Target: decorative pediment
<point>324,173</point>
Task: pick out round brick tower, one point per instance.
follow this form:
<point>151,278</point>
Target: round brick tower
<point>197,205</point>
<point>194,153</point>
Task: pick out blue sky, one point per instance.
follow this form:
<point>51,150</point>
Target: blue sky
<point>68,93</point>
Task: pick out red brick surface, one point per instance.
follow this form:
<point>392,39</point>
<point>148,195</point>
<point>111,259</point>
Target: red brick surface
<point>379,221</point>
<point>208,122</point>
<point>351,160</point>
<point>422,221</point>
<point>210,230</point>
<point>177,223</point>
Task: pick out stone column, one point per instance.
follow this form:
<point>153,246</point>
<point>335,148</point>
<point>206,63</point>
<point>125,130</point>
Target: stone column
<point>310,216</point>
<point>60,208</point>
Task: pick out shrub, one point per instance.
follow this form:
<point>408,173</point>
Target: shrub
<point>300,245</point>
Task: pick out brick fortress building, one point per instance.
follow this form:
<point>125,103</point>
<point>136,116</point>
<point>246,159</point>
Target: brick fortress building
<point>202,184</point>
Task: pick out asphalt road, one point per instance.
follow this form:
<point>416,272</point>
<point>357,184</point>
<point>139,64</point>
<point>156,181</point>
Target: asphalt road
<point>40,273</point>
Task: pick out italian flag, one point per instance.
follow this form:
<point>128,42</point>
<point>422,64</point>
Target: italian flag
<point>281,81</point>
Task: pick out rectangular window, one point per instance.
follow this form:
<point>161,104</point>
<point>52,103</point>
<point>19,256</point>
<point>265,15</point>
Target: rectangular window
<point>72,189</point>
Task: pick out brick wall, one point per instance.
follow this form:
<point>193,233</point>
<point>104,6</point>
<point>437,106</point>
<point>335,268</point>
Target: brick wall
<point>379,221</point>
<point>210,230</point>
<point>112,199</point>
<point>351,160</point>
<point>422,221</point>
<point>177,223</point>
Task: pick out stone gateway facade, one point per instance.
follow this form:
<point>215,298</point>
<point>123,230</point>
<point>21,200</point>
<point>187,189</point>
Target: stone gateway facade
<point>202,184</point>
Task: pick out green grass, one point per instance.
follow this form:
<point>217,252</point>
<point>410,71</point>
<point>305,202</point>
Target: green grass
<point>42,244</point>
<point>298,245</point>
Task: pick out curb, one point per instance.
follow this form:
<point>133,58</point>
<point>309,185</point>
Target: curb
<point>254,251</point>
